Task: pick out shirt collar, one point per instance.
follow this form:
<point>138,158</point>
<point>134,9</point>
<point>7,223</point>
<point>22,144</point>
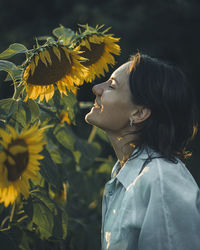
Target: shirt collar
<point>131,168</point>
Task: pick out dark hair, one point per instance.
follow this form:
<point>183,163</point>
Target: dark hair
<point>163,89</point>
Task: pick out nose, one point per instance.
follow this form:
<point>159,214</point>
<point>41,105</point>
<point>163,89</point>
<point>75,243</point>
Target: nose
<point>98,89</point>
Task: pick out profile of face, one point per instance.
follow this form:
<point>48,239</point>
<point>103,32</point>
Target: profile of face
<point>113,106</point>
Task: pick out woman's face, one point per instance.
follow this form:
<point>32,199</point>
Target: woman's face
<point>113,105</point>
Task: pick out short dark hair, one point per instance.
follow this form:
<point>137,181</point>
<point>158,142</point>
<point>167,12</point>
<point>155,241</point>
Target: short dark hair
<point>163,88</point>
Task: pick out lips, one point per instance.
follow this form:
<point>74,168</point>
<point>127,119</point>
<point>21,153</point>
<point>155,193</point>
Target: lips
<point>96,104</point>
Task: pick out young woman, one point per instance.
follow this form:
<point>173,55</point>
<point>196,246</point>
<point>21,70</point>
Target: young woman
<point>151,202</point>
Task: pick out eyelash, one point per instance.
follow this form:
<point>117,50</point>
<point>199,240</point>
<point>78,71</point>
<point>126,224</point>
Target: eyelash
<point>110,87</point>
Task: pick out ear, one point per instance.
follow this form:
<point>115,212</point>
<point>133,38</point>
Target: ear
<point>140,114</point>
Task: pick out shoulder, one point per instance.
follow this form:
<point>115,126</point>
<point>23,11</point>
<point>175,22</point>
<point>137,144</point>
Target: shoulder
<point>166,171</point>
<point>167,178</point>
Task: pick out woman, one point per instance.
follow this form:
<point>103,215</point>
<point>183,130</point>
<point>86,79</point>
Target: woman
<point>151,202</point>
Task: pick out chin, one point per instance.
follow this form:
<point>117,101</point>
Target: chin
<point>88,118</point>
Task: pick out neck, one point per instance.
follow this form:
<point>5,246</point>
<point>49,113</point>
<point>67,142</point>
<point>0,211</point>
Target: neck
<point>123,145</point>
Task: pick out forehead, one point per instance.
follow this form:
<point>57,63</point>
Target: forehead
<point>122,73</point>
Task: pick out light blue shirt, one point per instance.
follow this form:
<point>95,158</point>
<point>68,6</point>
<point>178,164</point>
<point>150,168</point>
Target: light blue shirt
<point>157,208</point>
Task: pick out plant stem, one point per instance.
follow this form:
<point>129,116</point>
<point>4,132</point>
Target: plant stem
<point>92,134</point>
<point>12,212</point>
<point>18,90</point>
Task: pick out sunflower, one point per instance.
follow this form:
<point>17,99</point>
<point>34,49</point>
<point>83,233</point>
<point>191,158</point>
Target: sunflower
<point>19,162</point>
<point>97,47</point>
<point>53,65</point>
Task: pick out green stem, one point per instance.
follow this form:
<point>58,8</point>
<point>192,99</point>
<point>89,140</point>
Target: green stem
<point>17,91</point>
<point>4,221</point>
<point>12,212</point>
<point>5,229</point>
<point>92,134</point>
<point>22,218</point>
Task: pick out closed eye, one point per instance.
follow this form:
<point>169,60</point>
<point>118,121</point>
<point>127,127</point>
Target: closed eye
<point>110,87</point>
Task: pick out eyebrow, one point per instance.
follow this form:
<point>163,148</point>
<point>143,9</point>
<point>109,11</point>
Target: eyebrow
<point>113,78</point>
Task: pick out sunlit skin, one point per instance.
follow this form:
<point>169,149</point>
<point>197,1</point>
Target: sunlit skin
<point>113,110</point>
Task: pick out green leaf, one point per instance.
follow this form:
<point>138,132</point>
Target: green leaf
<point>8,108</point>
<point>89,151</point>
<point>13,49</point>
<point>105,167</point>
<point>26,241</point>
<point>65,136</point>
<point>64,224</point>
<point>49,170</point>
<point>41,194</point>
<point>5,105</point>
<point>43,218</point>
<point>65,34</point>
<point>102,135</point>
<point>68,104</point>
<point>32,110</point>
<point>60,224</point>
<point>16,74</point>
<point>19,112</point>
<point>10,68</point>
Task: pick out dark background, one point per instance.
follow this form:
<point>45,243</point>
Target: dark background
<point>167,29</point>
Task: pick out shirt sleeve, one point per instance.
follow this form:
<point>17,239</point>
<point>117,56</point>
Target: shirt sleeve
<point>168,209</point>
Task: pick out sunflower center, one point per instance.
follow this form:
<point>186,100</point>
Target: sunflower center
<point>51,73</point>
<point>94,54</point>
<point>17,160</point>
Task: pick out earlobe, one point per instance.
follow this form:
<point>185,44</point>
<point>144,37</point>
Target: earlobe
<point>140,115</point>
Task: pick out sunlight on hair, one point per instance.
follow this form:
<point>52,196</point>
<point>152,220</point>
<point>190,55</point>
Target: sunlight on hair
<point>135,61</point>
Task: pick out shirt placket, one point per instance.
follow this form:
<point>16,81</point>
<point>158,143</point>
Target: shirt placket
<point>107,198</point>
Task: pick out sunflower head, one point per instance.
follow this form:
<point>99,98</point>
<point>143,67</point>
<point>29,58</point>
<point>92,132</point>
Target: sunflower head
<point>52,65</point>
<point>97,47</point>
<point>19,161</point>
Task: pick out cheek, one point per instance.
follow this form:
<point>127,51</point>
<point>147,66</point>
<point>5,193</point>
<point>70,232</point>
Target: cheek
<point>114,115</point>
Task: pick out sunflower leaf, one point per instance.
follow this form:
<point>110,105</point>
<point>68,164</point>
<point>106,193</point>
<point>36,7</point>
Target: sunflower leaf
<point>10,68</point>
<point>13,49</point>
<point>43,218</point>
<point>60,225</point>
<point>64,223</point>
<point>18,113</point>
<point>12,110</point>
<point>32,110</point>
<point>65,34</point>
<point>5,105</point>
<point>16,74</point>
<point>49,170</point>
<point>65,136</point>
<point>87,153</point>
<point>42,195</point>
<point>102,135</point>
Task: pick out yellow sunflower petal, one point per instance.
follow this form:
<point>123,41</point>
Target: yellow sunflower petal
<point>57,52</point>
<point>47,56</point>
<point>5,136</point>
<point>43,59</point>
<point>32,67</point>
<point>36,60</point>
